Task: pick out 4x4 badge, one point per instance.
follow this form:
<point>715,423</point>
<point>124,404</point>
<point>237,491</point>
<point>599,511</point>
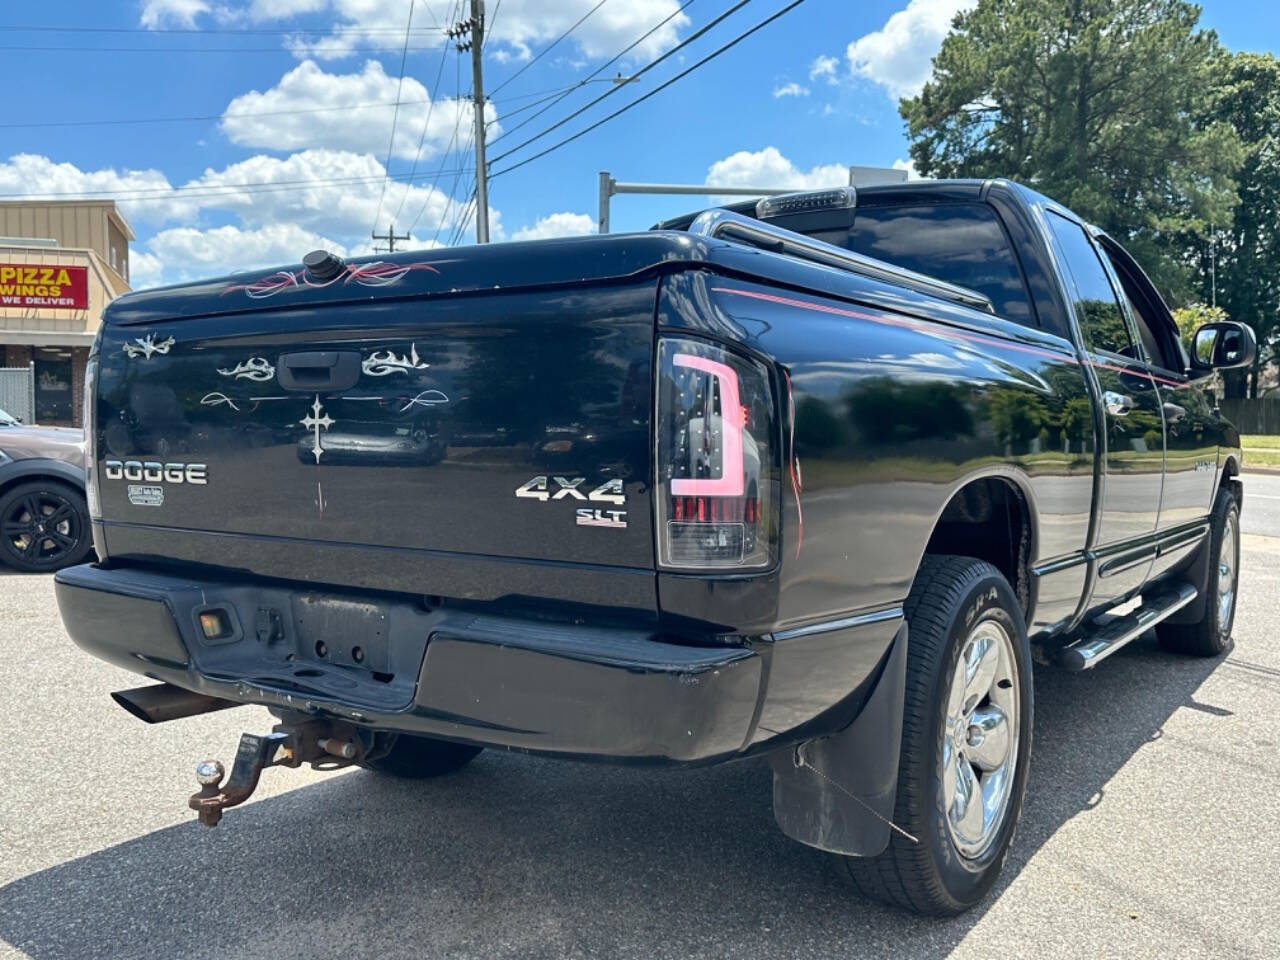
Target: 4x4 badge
<point>611,491</point>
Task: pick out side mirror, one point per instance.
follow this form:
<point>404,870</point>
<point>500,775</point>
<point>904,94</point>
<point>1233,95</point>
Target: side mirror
<point>1222,346</point>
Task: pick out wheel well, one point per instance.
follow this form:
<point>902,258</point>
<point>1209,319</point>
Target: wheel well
<point>1231,481</point>
<point>988,519</point>
<point>6,485</point>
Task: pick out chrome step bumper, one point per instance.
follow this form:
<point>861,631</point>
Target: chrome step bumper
<point>1096,643</point>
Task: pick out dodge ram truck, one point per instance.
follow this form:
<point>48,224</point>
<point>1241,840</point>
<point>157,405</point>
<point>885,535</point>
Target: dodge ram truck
<point>811,480</point>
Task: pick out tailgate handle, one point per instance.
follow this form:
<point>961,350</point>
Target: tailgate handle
<point>319,370</point>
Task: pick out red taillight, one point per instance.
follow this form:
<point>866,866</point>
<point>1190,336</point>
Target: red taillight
<point>717,486</point>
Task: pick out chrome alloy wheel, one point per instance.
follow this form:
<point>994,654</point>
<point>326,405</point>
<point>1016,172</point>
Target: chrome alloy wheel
<point>1227,571</point>
<point>980,739</point>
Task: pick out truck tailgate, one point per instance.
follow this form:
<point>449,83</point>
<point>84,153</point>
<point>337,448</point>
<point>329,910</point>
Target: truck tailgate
<point>510,426</point>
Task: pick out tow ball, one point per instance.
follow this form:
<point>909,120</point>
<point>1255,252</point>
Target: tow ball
<point>325,745</point>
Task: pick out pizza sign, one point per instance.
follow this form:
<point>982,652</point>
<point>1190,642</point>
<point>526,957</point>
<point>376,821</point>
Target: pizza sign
<point>27,285</point>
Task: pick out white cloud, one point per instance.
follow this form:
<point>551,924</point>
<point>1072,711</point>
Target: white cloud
<point>171,13</point>
<point>266,195</point>
<point>518,27</point>
<point>899,55</point>
<point>295,121</point>
<point>27,173</point>
<point>260,10</point>
<point>187,253</point>
<point>824,68</point>
<point>791,89</point>
<point>308,197</point>
<point>145,270</point>
<point>909,166</point>
<point>769,168</point>
<point>558,225</point>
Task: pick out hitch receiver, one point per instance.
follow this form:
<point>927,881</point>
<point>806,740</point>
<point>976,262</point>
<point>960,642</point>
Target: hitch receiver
<point>318,742</point>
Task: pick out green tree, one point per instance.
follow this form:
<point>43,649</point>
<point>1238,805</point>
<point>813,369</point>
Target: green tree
<point>1100,104</point>
<point>1239,266</point>
<point>1193,316</point>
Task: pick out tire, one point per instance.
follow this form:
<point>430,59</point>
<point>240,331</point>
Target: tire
<point>956,605</point>
<point>1211,636</point>
<point>44,526</point>
<point>421,758</point>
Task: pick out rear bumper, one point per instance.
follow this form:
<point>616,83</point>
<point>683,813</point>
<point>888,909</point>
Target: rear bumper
<point>391,664</point>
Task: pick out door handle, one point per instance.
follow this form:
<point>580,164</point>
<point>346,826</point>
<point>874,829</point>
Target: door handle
<point>318,371</point>
<point>1173,413</point>
<point>1117,404</point>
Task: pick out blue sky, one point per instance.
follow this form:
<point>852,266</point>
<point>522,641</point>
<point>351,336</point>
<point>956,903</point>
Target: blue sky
<point>293,152</point>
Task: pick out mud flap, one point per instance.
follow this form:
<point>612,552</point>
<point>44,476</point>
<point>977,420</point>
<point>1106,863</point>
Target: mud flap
<point>862,759</point>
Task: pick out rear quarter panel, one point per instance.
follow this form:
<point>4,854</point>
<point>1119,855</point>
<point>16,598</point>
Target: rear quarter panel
<point>886,415</point>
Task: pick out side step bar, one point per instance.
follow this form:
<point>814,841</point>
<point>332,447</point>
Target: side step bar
<point>1098,642</point>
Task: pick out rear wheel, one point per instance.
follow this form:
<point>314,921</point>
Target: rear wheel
<point>966,741</point>
<point>1212,634</point>
<point>44,526</point>
<point>420,758</point>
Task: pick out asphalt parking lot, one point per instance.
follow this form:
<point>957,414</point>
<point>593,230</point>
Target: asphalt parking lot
<point>1152,829</point>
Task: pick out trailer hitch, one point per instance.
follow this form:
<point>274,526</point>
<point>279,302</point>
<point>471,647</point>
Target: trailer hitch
<point>325,745</point>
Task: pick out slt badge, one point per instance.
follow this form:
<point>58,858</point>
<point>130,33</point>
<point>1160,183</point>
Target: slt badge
<point>611,491</point>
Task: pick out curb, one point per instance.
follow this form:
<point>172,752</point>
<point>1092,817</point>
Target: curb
<point>1269,471</point>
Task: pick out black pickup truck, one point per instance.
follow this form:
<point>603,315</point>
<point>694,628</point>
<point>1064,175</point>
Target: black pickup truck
<point>809,479</point>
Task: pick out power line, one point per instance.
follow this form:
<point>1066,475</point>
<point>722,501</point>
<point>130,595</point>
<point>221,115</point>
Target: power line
<point>453,190</point>
<point>635,103</point>
<point>266,31</point>
<point>457,123</point>
<point>210,116</point>
<point>589,77</point>
<point>210,190</point>
<point>196,118</point>
<point>460,227</point>
<point>649,66</point>
<point>444,53</point>
<point>548,47</point>
<point>492,20</point>
<point>13,48</point>
<point>404,56</point>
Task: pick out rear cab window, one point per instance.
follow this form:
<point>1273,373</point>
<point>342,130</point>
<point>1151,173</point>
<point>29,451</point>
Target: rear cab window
<point>961,243</point>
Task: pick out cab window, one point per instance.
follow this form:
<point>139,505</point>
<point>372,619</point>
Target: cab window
<point>961,243</point>
<point>1097,309</point>
<point>1158,340</point>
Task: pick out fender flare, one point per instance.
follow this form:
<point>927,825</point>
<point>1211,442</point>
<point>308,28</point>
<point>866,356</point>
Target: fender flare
<point>42,467</point>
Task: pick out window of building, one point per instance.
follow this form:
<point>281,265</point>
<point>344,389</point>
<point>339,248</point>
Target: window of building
<point>961,243</point>
<point>53,385</point>
<point>1097,309</point>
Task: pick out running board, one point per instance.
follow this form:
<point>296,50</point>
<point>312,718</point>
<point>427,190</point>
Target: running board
<point>1098,644</point>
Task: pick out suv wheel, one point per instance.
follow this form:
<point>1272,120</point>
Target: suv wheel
<point>44,526</point>
<point>966,741</point>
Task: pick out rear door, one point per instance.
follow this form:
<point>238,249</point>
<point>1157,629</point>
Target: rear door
<point>1132,443</point>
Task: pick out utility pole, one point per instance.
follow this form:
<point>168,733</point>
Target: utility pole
<point>390,236</point>
<point>475,26</point>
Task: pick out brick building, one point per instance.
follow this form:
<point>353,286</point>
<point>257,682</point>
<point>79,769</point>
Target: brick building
<point>61,263</point>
